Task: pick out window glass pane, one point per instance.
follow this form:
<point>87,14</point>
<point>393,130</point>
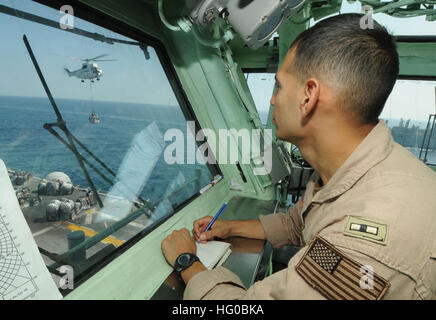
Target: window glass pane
<point>407,112</point>
<point>261,87</point>
<point>117,103</point>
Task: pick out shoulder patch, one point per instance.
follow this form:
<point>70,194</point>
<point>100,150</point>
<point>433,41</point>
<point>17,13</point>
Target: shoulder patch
<point>366,229</point>
<point>338,277</point>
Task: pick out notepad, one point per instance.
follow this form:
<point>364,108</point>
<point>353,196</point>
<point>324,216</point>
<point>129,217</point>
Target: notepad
<point>213,253</point>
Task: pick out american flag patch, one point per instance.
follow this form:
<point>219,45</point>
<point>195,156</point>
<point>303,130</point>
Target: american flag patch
<point>336,276</point>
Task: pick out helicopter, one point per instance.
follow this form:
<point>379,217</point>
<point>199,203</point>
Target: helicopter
<point>90,70</point>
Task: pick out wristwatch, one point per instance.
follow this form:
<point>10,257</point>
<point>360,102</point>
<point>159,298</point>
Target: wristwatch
<point>184,261</point>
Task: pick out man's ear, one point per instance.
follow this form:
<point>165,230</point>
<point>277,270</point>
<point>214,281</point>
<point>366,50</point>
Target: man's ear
<point>311,93</point>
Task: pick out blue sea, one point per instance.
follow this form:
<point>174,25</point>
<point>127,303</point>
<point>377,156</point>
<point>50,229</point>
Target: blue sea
<point>26,145</point>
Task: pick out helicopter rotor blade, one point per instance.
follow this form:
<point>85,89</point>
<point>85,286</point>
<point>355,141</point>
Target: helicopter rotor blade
<point>100,56</point>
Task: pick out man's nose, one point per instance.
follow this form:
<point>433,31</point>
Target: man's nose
<point>273,98</point>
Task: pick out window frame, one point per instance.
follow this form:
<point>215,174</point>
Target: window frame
<point>101,19</point>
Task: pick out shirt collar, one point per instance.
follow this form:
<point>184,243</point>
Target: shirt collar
<point>376,146</point>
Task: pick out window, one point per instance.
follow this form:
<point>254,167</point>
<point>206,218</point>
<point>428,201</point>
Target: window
<point>407,112</point>
<point>261,86</point>
<point>117,102</point>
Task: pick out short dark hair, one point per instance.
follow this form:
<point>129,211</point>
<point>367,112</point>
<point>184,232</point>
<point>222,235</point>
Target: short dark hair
<point>362,64</point>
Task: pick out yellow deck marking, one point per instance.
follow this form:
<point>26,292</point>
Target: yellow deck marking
<point>90,233</point>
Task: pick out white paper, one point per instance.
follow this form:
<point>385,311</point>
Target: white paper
<point>23,274</point>
<point>213,253</point>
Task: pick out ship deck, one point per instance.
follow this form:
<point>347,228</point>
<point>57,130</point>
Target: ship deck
<point>51,236</point>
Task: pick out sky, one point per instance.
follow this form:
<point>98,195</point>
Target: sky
<point>409,99</point>
<point>133,79</point>
<point>130,78</point>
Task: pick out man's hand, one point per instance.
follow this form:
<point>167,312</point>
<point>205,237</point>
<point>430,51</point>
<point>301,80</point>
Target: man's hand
<point>220,229</point>
<point>176,243</point>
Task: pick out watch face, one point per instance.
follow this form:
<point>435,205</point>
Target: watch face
<point>184,259</point>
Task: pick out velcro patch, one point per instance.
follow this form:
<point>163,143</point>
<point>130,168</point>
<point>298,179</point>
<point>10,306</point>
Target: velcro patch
<point>338,277</point>
<point>366,229</point>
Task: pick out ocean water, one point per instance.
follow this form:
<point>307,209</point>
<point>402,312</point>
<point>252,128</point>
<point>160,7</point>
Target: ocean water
<point>26,145</point>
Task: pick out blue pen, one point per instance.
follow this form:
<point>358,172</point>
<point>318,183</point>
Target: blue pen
<point>216,216</point>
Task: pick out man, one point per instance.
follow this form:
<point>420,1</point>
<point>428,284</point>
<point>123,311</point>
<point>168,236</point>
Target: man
<point>367,222</point>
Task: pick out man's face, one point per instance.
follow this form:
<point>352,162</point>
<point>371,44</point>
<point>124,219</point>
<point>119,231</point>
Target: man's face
<point>286,101</point>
